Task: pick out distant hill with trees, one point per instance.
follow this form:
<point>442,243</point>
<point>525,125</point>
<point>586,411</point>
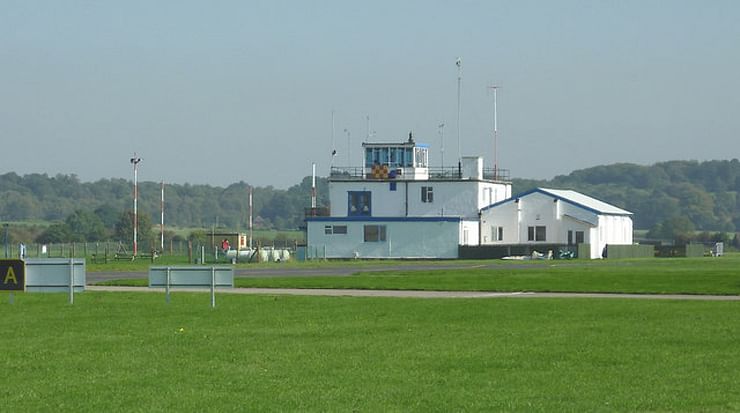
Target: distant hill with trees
<point>694,195</point>
<point>690,195</point>
<point>39,197</point>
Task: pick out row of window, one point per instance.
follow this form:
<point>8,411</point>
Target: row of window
<point>377,233</point>
<point>372,233</point>
<point>397,157</point>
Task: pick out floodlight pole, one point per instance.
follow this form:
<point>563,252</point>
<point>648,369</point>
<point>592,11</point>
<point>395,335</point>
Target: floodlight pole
<point>135,162</point>
<point>459,82</point>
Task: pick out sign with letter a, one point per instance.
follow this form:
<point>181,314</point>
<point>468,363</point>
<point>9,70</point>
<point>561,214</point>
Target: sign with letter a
<point>12,275</point>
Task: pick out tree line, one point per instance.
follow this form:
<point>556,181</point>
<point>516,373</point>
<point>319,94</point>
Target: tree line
<point>39,197</point>
<point>666,198</point>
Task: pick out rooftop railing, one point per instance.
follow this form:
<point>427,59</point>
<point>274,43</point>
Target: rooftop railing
<point>444,173</point>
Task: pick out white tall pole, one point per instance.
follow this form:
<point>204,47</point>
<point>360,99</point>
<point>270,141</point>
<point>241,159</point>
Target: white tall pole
<point>349,150</point>
<point>333,144</point>
<point>313,187</point>
<point>135,161</point>
<point>495,132</point>
<point>250,217</point>
<point>161,222</point>
<point>441,128</point>
<point>459,82</point>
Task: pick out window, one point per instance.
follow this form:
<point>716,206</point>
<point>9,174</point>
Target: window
<point>427,194</point>
<point>422,157</point>
<point>335,229</point>
<point>579,237</point>
<point>497,233</point>
<point>374,233</point>
<point>359,203</point>
<point>538,233</point>
<point>409,161</point>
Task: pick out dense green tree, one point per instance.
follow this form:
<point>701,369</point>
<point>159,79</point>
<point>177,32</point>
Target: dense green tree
<point>86,226</point>
<point>124,231</point>
<point>704,192</point>
<point>55,233</point>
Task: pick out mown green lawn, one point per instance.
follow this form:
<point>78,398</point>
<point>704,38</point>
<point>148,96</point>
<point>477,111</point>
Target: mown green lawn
<point>659,276</point>
<point>134,352</point>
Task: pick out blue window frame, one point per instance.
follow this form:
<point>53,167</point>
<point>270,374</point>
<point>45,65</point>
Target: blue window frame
<point>359,204</point>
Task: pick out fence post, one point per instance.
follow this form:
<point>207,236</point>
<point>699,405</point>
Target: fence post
<point>213,287</point>
<point>71,280</point>
<point>167,286</point>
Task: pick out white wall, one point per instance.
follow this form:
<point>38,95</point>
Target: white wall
<point>559,217</point>
<point>451,198</point>
<point>404,239</point>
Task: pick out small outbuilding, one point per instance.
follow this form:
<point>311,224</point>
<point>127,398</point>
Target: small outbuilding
<point>555,216</point>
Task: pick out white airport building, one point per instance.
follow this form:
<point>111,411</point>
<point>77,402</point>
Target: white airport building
<point>396,206</point>
<point>554,216</point>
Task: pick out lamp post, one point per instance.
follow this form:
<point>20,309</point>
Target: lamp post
<point>135,162</point>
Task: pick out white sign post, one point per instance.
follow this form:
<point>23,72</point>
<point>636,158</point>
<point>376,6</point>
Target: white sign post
<point>191,277</point>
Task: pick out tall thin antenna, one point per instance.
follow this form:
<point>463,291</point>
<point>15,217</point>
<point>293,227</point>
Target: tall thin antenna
<point>367,136</point>
<point>441,129</point>
<point>333,144</point>
<point>313,186</point>
<point>495,132</point>
<point>161,222</point>
<point>459,81</point>
<point>349,147</point>
<point>250,216</point>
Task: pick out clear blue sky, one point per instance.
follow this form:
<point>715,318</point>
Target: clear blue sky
<point>222,91</point>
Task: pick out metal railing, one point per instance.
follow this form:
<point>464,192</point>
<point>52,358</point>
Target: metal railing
<point>316,212</point>
<point>447,172</point>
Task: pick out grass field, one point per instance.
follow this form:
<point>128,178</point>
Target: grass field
<point>659,276</point>
<point>680,275</point>
<point>133,352</point>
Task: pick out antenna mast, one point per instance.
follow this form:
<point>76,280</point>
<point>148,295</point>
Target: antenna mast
<point>459,81</point>
<point>495,132</point>
<point>333,145</point>
<point>367,137</point>
<point>441,128</point>
<point>250,216</point>
<point>161,225</point>
<point>313,187</point>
